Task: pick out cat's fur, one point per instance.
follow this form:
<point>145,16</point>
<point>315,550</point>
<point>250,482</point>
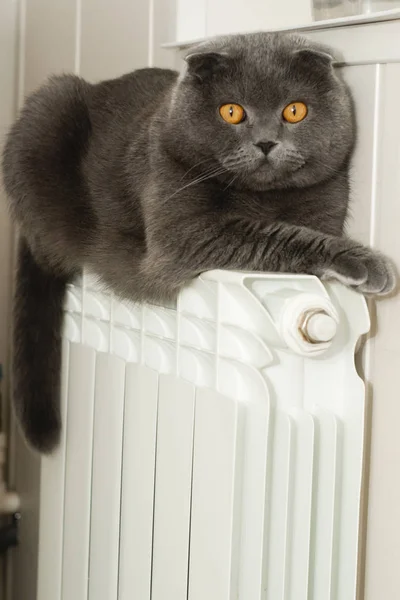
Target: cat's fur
<point>140,180</point>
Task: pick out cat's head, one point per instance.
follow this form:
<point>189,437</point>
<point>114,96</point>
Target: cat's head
<point>270,109</point>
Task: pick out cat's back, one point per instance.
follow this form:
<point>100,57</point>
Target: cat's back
<point>130,99</point>
<point>48,138</point>
<point>68,121</point>
<point>141,86</point>
<point>59,119</point>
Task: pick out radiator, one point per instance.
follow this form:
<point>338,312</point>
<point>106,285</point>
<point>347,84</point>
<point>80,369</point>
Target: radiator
<point>212,450</point>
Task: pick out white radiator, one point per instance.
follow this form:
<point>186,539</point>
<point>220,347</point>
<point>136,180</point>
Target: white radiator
<point>211,450</point>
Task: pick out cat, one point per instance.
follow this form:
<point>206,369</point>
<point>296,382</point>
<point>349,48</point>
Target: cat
<point>240,162</point>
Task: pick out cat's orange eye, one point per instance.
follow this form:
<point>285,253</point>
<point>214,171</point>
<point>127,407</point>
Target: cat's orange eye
<point>232,113</point>
<point>295,112</point>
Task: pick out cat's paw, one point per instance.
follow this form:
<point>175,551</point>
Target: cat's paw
<point>363,269</point>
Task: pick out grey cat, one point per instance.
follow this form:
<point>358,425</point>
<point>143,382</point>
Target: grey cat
<point>149,179</point>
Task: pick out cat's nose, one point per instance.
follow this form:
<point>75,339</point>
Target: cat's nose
<point>266,147</point>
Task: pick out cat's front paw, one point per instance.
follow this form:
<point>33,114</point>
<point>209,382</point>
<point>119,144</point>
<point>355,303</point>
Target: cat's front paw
<point>363,269</point>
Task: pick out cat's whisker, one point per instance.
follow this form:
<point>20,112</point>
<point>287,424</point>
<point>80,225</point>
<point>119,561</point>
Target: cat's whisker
<point>231,182</point>
<point>295,153</point>
<point>201,162</point>
<point>200,179</point>
<point>237,162</point>
<point>294,161</point>
<point>327,167</point>
<point>195,166</point>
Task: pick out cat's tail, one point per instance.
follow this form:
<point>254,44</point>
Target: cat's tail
<point>38,317</point>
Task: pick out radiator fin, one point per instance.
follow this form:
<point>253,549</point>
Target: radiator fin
<point>138,480</point>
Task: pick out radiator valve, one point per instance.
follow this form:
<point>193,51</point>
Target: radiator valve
<point>308,323</point>
<point>317,326</point>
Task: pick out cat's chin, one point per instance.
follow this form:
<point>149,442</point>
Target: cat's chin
<point>263,179</point>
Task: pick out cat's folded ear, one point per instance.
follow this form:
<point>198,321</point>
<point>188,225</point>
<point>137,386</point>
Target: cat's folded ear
<point>202,64</point>
<point>322,57</point>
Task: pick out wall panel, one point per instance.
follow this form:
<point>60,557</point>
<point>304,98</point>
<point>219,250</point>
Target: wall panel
<point>114,37</point>
<point>49,40</point>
